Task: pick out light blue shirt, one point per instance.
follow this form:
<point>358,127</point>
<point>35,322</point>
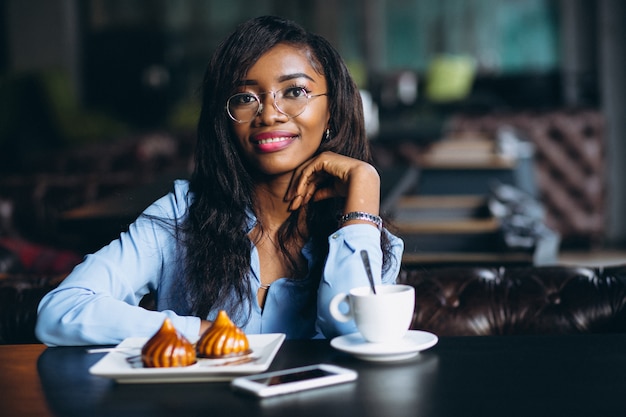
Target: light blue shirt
<point>98,303</point>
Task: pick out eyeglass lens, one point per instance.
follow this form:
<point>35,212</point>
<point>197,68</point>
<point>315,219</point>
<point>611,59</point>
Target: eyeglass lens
<point>290,101</point>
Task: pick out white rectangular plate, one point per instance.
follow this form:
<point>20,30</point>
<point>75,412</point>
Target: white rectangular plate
<point>114,365</point>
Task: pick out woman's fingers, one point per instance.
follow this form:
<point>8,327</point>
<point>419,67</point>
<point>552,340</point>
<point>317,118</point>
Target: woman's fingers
<point>314,188</point>
<point>325,176</point>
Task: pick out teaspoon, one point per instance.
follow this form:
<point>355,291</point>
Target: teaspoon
<point>368,269</point>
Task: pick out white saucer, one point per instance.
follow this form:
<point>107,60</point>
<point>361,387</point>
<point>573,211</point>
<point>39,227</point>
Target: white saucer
<point>408,347</point>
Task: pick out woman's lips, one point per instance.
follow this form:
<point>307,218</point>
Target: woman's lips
<point>273,141</point>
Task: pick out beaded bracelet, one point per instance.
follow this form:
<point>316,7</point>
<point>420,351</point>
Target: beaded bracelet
<point>361,215</point>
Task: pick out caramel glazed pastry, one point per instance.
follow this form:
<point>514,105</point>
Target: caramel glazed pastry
<point>168,348</point>
<point>223,339</point>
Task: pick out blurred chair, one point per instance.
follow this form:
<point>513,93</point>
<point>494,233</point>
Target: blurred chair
<point>449,78</point>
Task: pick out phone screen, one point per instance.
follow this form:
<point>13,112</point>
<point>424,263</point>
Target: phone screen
<point>292,377</point>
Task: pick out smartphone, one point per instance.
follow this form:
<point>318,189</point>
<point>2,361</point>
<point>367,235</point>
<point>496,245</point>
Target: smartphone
<point>292,380</point>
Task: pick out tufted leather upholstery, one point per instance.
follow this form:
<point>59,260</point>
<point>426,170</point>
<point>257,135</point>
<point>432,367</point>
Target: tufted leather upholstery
<point>465,301</point>
<point>569,166</point>
<point>19,297</point>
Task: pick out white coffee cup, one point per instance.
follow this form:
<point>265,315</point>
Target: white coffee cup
<point>382,317</point>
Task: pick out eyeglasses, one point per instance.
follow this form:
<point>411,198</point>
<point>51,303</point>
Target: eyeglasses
<point>290,101</point>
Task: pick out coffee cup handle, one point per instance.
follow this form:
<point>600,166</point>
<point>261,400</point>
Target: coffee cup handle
<point>334,308</point>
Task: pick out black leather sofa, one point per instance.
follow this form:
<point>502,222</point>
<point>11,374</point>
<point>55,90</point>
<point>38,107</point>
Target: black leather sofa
<point>464,301</point>
<point>450,301</point>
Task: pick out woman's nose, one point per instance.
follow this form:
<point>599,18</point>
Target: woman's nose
<point>269,111</point>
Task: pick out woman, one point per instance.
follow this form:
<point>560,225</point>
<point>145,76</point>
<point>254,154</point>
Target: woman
<point>281,153</point>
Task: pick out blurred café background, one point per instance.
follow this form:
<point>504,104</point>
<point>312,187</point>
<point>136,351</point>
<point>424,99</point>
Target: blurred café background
<point>497,125</point>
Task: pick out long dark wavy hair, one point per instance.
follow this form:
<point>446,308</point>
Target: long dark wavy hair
<point>218,247</point>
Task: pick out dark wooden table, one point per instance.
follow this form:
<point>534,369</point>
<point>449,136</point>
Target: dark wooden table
<point>471,376</point>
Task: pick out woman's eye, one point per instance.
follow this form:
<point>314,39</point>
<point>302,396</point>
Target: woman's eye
<point>294,92</point>
<point>242,99</point>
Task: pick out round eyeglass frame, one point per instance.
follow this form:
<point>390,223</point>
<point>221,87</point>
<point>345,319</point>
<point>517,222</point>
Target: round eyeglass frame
<point>274,103</point>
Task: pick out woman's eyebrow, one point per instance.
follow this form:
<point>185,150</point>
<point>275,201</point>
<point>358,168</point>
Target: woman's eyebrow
<point>281,79</point>
<point>288,77</point>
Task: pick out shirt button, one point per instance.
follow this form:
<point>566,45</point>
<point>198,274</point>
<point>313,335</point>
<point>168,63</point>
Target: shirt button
<point>335,236</point>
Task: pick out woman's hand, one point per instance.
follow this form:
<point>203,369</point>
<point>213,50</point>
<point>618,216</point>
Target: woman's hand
<point>332,175</point>
<point>204,325</point>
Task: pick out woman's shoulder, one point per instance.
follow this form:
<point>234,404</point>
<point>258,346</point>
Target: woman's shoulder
<point>181,188</point>
<point>181,194</point>
<point>175,202</point>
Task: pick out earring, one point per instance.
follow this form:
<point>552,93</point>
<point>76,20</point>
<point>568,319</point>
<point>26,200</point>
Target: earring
<point>327,135</point>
